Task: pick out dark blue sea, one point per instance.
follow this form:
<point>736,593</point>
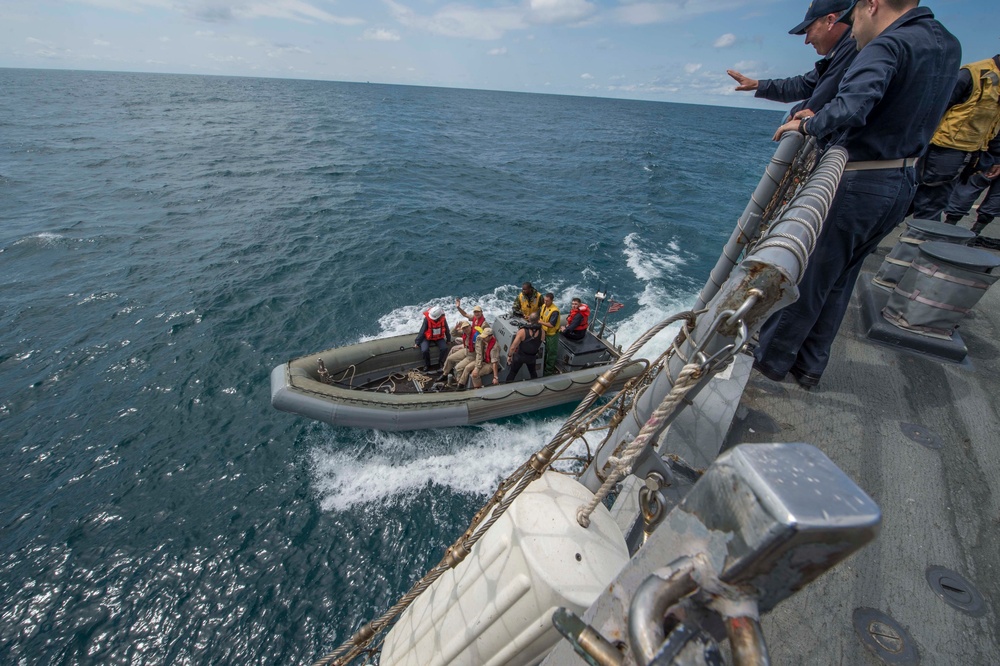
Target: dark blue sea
<point>166,240</point>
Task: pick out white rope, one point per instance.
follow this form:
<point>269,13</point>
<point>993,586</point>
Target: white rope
<point>620,466</point>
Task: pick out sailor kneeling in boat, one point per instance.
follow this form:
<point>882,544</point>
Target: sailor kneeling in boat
<point>524,349</point>
<point>485,362</point>
<point>434,330</point>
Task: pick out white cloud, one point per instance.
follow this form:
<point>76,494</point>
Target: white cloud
<point>559,11</point>
<point>295,10</point>
<point>461,20</point>
<point>673,11</point>
<point>101,42</point>
<point>586,76</point>
<point>692,67</point>
<point>220,11</point>
<point>498,51</point>
<point>278,50</point>
<point>380,35</point>
<point>725,41</point>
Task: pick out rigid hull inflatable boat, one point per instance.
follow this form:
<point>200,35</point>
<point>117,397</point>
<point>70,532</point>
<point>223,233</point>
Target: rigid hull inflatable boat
<point>378,384</point>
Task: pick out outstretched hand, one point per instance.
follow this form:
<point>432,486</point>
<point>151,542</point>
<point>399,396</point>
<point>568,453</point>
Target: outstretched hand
<point>745,82</point>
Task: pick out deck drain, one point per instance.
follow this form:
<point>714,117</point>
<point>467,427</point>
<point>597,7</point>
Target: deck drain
<point>956,591</point>
<point>885,637</point>
<point>922,436</point>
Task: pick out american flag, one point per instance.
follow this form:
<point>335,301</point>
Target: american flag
<point>615,306</point>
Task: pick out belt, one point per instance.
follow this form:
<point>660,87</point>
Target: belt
<point>881,164</point>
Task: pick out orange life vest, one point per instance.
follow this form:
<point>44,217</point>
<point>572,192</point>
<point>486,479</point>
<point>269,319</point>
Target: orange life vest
<point>437,329</point>
<point>584,312</point>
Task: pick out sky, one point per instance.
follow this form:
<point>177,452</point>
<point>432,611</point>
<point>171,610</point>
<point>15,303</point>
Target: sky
<point>660,50</point>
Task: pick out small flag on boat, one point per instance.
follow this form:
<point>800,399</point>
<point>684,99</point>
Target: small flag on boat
<point>615,306</point>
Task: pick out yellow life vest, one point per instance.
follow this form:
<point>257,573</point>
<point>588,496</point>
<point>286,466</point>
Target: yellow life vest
<point>972,124</point>
<point>546,314</point>
<point>529,305</point>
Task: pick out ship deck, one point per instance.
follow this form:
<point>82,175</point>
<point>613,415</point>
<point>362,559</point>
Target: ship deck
<point>920,436</point>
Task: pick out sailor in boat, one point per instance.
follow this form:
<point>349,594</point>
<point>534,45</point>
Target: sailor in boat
<point>528,301</point>
<point>433,330</point>
<point>485,362</point>
<point>524,348</point>
<point>831,39</point>
<point>549,319</point>
<point>886,110</point>
<point>576,325</point>
<point>476,319</point>
<point>464,347</point>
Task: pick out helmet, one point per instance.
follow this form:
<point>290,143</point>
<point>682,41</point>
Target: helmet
<point>436,312</point>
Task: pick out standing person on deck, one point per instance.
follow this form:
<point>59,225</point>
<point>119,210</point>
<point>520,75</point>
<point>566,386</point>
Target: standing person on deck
<point>528,301</point>
<point>832,40</point>
<point>549,318</point>
<point>885,112</point>
<point>433,330</point>
<point>964,135</point>
<point>965,194</point>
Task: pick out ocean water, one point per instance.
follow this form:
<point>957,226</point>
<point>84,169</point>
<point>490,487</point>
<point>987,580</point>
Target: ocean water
<point>166,240</point>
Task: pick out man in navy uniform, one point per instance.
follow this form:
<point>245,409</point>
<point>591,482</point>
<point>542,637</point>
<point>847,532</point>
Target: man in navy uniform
<point>887,107</point>
<point>831,39</point>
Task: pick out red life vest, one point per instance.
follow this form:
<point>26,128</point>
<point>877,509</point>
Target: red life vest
<point>437,329</point>
<point>584,312</point>
<point>479,321</point>
<point>488,349</point>
<point>469,340</point>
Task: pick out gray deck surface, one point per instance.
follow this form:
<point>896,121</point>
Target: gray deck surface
<point>940,506</point>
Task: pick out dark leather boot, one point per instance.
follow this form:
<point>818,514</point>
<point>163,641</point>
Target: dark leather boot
<point>952,219</point>
<point>981,221</point>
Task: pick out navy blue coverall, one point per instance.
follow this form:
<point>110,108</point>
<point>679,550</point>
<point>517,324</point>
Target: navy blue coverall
<point>817,87</point>
<point>887,107</point>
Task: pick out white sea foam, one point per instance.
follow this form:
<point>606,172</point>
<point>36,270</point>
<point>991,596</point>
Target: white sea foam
<point>397,465</point>
<point>394,466</point>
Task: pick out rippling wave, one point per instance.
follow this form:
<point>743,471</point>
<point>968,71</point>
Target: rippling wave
<point>167,240</point>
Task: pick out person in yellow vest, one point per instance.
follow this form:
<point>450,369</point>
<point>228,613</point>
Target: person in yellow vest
<point>970,123</point>
<point>549,319</point>
<point>528,301</point>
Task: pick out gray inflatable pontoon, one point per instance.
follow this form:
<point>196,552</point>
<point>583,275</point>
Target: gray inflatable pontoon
<point>376,384</point>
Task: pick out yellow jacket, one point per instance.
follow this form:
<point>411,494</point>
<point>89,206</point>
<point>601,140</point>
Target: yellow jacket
<point>972,124</point>
<point>544,317</point>
<point>528,305</point>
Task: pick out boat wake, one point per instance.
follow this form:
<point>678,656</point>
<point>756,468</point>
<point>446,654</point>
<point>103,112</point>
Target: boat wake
<point>393,467</point>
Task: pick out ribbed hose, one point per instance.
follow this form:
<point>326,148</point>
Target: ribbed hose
<point>747,227</point>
